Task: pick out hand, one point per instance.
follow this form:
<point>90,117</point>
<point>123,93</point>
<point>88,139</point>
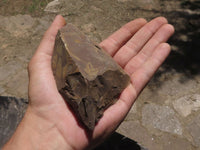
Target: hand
<point>138,47</point>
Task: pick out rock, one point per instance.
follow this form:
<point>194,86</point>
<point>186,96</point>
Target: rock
<point>155,141</point>
<point>119,142</point>
<point>88,28</point>
<point>175,85</point>
<point>17,26</point>
<point>86,76</point>
<point>174,142</point>
<point>96,8</point>
<point>19,89</point>
<point>133,109</point>
<point>9,69</point>
<point>64,7</point>
<point>132,113</point>
<point>42,24</point>
<point>1,90</point>
<point>11,112</point>
<point>162,118</point>
<point>134,130</point>
<point>53,6</point>
<point>194,128</point>
<point>183,38</point>
<point>186,104</point>
<point>123,0</point>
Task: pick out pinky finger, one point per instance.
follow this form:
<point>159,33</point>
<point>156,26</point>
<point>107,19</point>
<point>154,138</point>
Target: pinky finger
<point>141,76</point>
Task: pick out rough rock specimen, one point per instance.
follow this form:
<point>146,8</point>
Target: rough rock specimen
<point>86,76</point>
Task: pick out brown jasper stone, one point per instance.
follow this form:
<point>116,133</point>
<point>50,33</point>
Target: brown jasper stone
<point>86,76</point>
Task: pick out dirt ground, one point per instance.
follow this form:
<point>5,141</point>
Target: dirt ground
<point>167,113</point>
<point>32,7</point>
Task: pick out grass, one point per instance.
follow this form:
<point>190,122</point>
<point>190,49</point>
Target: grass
<point>3,2</point>
<point>32,7</point>
<point>37,5</point>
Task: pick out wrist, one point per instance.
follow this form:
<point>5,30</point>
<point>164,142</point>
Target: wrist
<point>35,133</point>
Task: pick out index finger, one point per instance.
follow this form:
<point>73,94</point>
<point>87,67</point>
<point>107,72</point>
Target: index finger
<point>121,36</point>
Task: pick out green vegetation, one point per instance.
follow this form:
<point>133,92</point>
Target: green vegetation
<point>3,2</point>
<point>37,5</point>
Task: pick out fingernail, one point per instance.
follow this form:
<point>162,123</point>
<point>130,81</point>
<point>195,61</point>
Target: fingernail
<point>61,20</point>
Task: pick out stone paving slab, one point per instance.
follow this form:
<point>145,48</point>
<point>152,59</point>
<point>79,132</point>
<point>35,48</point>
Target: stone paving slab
<point>11,112</point>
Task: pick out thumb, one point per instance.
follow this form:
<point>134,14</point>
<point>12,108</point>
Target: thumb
<point>47,44</point>
<point>44,52</point>
<point>39,68</point>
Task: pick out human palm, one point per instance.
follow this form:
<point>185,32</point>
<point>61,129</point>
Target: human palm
<point>138,47</point>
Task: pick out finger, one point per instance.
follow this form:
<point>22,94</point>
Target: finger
<point>161,36</point>
<point>47,44</point>
<point>140,77</point>
<point>135,44</point>
<point>39,68</point>
<point>45,49</point>
<point>120,37</point>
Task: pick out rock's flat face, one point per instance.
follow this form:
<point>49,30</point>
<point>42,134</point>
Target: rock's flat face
<point>86,76</point>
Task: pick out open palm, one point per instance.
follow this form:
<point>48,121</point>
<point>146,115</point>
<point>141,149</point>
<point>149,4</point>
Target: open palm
<point>138,47</point>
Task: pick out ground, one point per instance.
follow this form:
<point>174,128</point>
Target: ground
<point>167,113</point>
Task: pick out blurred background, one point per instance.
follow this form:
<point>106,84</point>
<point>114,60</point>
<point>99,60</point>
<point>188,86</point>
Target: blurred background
<point>167,113</point>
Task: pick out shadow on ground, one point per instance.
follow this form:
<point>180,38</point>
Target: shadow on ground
<point>185,55</point>
<point>187,58</point>
<point>119,142</point>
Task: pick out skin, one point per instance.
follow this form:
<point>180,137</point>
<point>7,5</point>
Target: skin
<point>139,47</point>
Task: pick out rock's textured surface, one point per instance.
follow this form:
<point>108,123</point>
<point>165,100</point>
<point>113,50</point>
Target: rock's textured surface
<point>86,76</point>
<point>194,128</point>
<point>11,112</point>
<point>186,104</point>
<point>53,6</point>
<point>18,25</point>
<point>161,117</point>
